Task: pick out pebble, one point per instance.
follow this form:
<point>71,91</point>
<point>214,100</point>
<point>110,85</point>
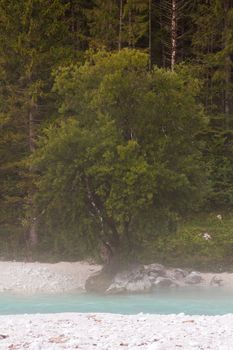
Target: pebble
<point>114,332</point>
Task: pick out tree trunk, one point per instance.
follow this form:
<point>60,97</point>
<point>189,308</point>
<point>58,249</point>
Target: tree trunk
<point>150,35</point>
<point>33,234</point>
<point>173,34</point>
<point>120,26</point>
<point>75,25</point>
<point>227,62</point>
<point>104,220</point>
<point>130,31</point>
<point>162,41</point>
<point>115,237</point>
<point>106,253</point>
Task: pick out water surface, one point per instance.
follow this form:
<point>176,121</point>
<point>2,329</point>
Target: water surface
<point>188,301</point>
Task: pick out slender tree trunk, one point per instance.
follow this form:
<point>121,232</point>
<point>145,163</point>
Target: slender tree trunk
<point>182,51</point>
<point>75,25</point>
<point>227,63</point>
<point>110,26</point>
<point>150,34</point>
<point>72,16</point>
<point>33,235</point>
<point>130,31</point>
<point>210,101</point>
<point>173,34</point>
<point>162,41</point>
<point>120,25</point>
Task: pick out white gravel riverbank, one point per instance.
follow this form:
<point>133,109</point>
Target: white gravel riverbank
<point>62,277</point>
<point>38,278</point>
<point>101,331</point>
<point>115,332</point>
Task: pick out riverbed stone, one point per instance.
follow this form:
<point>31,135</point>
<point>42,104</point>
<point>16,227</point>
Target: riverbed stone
<point>156,268</point>
<point>138,278</point>
<point>133,274</point>
<point>180,274</point>
<point>141,285</point>
<point>216,281</point>
<point>122,278</point>
<point>115,288</point>
<point>193,278</point>
<point>136,272</point>
<point>164,282</point>
<point>133,280</point>
<point>152,276</point>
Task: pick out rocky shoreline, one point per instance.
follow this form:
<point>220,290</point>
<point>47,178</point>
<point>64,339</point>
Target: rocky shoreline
<point>66,277</point>
<point>148,278</point>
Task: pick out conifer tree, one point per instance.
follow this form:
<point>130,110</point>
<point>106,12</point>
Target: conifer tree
<point>117,24</point>
<point>136,18</point>
<point>212,47</point>
<point>76,16</point>
<point>103,20</point>
<point>213,50</point>
<point>34,37</point>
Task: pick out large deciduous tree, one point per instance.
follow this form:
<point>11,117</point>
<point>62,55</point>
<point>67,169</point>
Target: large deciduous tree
<point>126,146</point>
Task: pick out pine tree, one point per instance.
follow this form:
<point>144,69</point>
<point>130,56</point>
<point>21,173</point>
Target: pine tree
<point>136,19</point>
<point>118,24</point>
<point>34,37</point>
<point>103,19</point>
<point>213,51</point>
<point>76,16</point>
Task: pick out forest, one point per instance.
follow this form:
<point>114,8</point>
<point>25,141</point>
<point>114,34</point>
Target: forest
<point>116,124</point>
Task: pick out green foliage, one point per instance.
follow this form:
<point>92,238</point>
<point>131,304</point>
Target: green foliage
<point>125,147</point>
<point>135,18</point>
<point>135,143</point>
<point>34,41</point>
<point>212,48</point>
<point>220,158</point>
<point>83,167</point>
<point>188,248</point>
<point>104,23</point>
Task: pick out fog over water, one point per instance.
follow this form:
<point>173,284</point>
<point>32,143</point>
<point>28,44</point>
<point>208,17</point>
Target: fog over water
<point>192,301</point>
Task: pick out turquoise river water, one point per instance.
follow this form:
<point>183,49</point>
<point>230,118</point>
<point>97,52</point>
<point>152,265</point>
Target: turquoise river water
<point>188,301</point>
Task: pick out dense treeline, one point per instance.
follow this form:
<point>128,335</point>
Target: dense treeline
<point>115,120</point>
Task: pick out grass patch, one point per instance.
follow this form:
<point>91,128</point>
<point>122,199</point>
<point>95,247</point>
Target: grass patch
<point>189,248</point>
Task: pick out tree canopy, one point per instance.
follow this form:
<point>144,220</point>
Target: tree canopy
<point>121,145</point>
